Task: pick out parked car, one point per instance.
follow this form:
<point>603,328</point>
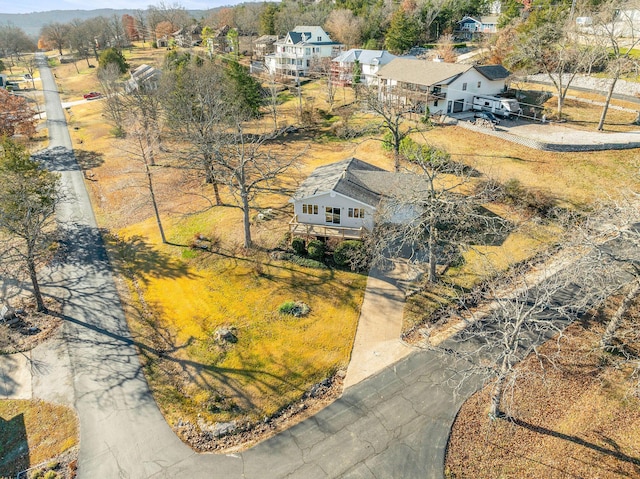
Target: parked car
<point>487,115</point>
<point>92,95</point>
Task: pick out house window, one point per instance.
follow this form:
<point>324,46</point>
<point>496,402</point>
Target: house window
<point>319,39</point>
<point>356,212</point>
<point>307,51</point>
<point>332,215</point>
<point>479,84</point>
<point>435,103</point>
<point>310,209</point>
<point>464,86</point>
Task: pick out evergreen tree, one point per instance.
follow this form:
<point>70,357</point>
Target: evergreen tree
<point>268,20</point>
<point>402,33</point>
<point>113,55</point>
<point>248,92</point>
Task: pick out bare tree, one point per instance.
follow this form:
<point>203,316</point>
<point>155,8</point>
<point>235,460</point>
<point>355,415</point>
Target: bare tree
<point>391,111</point>
<point>142,24</point>
<point>345,27</point>
<point>430,213</point>
<point>28,199</point>
<point>248,163</point>
<point>545,42</point>
<point>56,33</point>
<point>618,23</point>
<point>114,106</point>
<point>198,111</point>
<point>321,68</point>
<point>143,148</point>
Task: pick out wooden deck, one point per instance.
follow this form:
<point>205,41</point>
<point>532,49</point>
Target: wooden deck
<point>328,231</point>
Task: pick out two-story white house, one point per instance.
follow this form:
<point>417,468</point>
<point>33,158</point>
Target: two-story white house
<point>442,87</point>
<point>368,62</point>
<point>294,55</point>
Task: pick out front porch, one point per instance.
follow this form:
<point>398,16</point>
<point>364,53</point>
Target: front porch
<point>325,231</point>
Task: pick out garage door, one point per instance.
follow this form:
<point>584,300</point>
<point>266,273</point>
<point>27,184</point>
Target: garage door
<point>458,106</point>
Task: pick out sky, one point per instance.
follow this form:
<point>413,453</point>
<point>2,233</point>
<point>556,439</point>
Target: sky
<point>28,6</point>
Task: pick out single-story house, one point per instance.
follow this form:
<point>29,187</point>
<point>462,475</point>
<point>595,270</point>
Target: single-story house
<point>442,87</point>
<point>144,75</point>
<point>468,27</point>
<point>368,62</point>
<point>340,199</point>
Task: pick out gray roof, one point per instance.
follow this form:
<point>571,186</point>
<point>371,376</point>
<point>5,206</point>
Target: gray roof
<point>358,180</point>
<point>365,57</point>
<point>494,72</point>
<point>422,72</point>
<point>266,40</point>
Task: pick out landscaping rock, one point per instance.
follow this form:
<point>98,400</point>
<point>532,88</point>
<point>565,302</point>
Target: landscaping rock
<point>226,335</point>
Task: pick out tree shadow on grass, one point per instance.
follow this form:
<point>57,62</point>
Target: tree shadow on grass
<point>614,451</point>
<point>15,447</point>
<point>89,159</point>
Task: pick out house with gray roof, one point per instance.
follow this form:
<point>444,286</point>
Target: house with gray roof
<point>295,54</point>
<point>367,62</point>
<point>340,199</point>
<point>469,27</point>
<point>441,87</point>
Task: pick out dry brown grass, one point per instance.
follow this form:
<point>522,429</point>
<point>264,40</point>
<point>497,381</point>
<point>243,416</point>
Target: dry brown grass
<point>33,432</point>
<point>574,419</point>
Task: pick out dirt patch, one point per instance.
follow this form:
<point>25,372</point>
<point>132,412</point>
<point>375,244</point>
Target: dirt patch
<point>32,327</point>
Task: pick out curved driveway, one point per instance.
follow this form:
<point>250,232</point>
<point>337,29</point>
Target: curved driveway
<point>394,425</point>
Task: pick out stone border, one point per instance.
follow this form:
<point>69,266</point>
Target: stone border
<point>540,145</point>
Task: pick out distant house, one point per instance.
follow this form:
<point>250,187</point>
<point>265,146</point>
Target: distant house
<point>469,27</point>
<point>368,63</point>
<point>188,36</point>
<point>439,86</point>
<point>264,45</point>
<point>293,55</point>
<point>340,199</point>
<point>144,76</point>
<point>218,42</point>
<point>3,80</point>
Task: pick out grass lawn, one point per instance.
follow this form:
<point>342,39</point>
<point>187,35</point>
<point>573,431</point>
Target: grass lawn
<point>34,432</point>
<point>576,418</point>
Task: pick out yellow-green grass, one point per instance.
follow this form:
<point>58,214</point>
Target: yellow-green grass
<point>276,357</point>
<point>571,178</point>
<point>32,432</point>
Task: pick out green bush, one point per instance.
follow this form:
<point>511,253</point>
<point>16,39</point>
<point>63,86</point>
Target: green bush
<point>346,251</point>
<point>294,308</point>
<point>298,246</point>
<point>50,475</point>
<point>316,250</point>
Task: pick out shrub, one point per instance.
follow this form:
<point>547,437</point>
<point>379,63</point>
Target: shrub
<point>298,246</point>
<point>50,475</point>
<point>297,308</point>
<point>316,250</point>
<point>346,252</point>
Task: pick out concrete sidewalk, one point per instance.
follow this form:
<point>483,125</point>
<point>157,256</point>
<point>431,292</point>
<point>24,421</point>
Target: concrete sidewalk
<point>377,343</point>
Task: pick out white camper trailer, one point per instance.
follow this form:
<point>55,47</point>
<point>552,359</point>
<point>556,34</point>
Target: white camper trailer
<point>504,107</point>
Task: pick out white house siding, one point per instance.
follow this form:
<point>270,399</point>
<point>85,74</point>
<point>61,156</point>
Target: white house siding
<point>456,90</point>
<point>334,200</point>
